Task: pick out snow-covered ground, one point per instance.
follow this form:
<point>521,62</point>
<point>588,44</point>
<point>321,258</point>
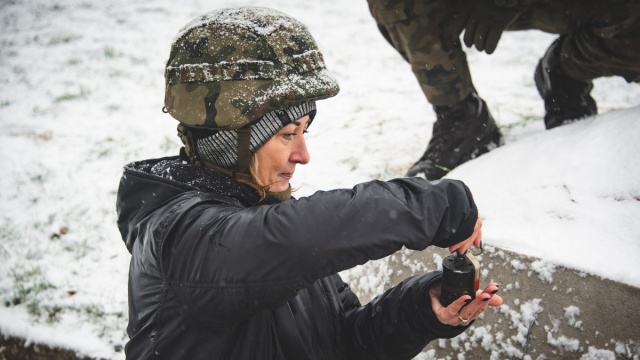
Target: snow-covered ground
<point>81,92</point>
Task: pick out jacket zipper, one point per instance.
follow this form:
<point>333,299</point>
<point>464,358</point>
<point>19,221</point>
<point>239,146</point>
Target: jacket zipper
<point>327,305</point>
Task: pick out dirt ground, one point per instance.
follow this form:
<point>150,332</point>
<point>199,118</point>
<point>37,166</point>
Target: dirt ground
<point>12,348</point>
<point>549,312</point>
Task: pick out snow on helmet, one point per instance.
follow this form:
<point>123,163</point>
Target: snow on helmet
<point>229,67</point>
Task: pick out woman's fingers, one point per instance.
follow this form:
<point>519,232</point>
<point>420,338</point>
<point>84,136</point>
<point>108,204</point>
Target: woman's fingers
<point>475,239</point>
<point>484,299</point>
<point>496,300</point>
<point>464,309</point>
<point>447,315</point>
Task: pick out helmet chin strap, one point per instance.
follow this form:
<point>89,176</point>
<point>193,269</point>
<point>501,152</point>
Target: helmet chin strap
<point>241,172</point>
<point>244,151</point>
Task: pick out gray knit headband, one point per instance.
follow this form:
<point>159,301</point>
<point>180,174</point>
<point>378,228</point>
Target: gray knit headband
<point>221,148</point>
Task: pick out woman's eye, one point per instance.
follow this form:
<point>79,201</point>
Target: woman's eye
<point>288,136</point>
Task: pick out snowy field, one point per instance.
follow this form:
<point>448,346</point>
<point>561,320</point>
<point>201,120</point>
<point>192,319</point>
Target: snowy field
<point>81,92</point>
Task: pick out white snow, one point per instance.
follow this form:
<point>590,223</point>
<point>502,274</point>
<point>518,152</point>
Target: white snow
<point>571,312</point>
<point>81,92</point>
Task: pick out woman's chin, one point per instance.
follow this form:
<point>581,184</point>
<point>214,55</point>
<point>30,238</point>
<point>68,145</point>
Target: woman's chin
<point>279,186</point>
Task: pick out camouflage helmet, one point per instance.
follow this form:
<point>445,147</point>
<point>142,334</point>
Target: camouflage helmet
<point>229,67</point>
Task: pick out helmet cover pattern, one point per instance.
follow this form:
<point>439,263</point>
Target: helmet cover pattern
<point>229,67</point>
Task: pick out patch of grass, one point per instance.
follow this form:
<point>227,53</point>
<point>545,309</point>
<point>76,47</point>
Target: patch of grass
<point>3,252</point>
<point>109,52</point>
<point>112,108</point>
<point>62,39</point>
<point>73,61</point>
<point>39,178</point>
<point>37,111</point>
<point>28,286</point>
<point>8,234</point>
<point>104,153</point>
<point>105,321</point>
<point>82,94</point>
<point>7,230</point>
<point>104,148</point>
<point>116,73</point>
<point>93,311</point>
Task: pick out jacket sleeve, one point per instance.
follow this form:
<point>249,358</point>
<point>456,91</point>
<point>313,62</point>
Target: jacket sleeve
<point>228,262</point>
<point>395,325</point>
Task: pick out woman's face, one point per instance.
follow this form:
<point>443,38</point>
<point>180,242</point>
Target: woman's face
<point>278,157</point>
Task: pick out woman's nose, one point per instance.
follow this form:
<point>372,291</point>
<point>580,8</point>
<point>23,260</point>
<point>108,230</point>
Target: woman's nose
<point>300,154</point>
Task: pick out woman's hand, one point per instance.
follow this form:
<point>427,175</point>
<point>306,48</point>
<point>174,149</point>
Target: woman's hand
<point>475,239</point>
<point>464,310</point>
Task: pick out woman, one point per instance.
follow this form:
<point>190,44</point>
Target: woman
<point>226,264</point>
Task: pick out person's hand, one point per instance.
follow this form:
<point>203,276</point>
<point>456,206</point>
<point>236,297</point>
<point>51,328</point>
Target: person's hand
<point>459,12</point>
<point>464,310</point>
<point>475,239</point>
<point>486,23</point>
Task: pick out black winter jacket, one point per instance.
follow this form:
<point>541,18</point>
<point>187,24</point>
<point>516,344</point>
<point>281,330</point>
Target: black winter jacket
<point>213,275</point>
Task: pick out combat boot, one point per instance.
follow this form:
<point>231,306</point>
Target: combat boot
<point>565,99</point>
<point>461,132</point>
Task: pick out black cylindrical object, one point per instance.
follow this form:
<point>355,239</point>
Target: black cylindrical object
<point>460,276</point>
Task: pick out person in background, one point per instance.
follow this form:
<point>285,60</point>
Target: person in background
<point>596,39</point>
<point>226,264</point>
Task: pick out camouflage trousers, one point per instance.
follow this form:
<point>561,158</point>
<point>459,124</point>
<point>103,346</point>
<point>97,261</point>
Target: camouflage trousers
<point>597,38</point>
